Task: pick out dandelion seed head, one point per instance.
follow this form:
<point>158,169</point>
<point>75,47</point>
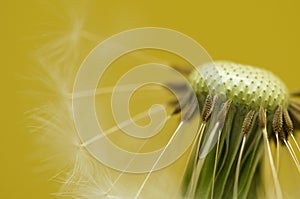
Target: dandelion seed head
<point>261,105</point>
<point>243,84</point>
<point>83,176</point>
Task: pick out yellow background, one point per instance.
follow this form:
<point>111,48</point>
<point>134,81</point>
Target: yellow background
<point>262,33</point>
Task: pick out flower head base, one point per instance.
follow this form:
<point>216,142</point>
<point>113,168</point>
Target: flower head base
<point>246,85</point>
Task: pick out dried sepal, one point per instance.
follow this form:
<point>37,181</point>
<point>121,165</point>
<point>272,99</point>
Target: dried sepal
<point>295,105</point>
<point>294,111</point>
<point>185,100</point>
<point>295,93</point>
<point>188,114</point>
<point>223,112</point>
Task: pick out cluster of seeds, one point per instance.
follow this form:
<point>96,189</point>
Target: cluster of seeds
<point>252,106</point>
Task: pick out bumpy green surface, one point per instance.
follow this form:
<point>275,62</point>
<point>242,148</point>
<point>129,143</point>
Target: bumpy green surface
<point>243,84</point>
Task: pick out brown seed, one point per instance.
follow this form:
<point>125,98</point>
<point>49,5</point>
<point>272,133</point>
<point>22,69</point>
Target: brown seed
<point>288,124</point>
<point>208,107</point>
<point>277,120</point>
<point>248,121</point>
<point>282,136</point>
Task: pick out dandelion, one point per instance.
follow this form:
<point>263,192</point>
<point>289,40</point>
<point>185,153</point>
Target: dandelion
<point>245,113</point>
<point>226,160</point>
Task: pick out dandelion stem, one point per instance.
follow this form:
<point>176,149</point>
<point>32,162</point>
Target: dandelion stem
<point>194,179</point>
<point>156,162</point>
<point>215,165</point>
<point>277,127</point>
<point>289,126</point>
<point>237,172</point>
<point>262,124</point>
<point>109,89</point>
<point>277,152</point>
<point>129,163</point>
<point>117,127</point>
<point>295,141</point>
<point>195,175</point>
<point>274,174</point>
<point>292,153</point>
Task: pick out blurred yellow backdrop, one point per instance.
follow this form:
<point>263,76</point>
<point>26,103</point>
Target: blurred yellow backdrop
<point>261,33</point>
